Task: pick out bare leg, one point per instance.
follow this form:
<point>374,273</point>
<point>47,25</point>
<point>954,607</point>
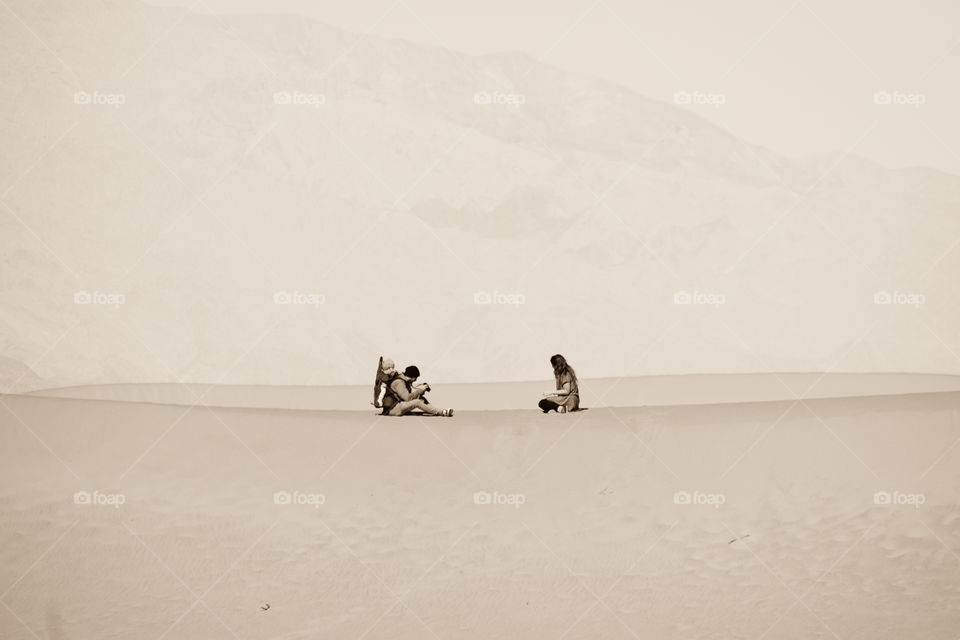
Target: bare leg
<point>403,408</point>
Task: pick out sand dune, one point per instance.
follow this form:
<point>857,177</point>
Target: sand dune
<point>399,549</point>
<point>603,392</point>
<point>268,199</point>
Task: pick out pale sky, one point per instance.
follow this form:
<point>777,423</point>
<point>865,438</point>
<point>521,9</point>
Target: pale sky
<point>797,76</point>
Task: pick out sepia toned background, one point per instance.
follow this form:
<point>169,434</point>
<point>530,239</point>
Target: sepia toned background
<point>474,190</point>
<point>215,217</point>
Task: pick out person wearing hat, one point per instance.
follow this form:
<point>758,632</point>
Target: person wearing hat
<point>403,395</point>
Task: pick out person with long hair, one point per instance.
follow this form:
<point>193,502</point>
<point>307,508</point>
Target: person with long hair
<point>566,397</point>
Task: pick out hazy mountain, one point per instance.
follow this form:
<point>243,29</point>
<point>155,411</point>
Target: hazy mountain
<point>390,188</point>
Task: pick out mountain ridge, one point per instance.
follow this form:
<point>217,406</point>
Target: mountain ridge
<point>399,197</point>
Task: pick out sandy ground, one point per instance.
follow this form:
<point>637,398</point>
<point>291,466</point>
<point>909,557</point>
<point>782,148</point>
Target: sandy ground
<point>587,541</point>
<point>607,392</point>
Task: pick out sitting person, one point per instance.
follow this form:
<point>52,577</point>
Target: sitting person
<point>385,371</point>
<point>566,397</point>
<point>403,396</point>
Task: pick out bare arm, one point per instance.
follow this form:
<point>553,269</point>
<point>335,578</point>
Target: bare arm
<point>562,391</point>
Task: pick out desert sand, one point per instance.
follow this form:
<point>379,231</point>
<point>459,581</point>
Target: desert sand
<point>190,195</point>
<point>588,533</point>
<point>630,391</point>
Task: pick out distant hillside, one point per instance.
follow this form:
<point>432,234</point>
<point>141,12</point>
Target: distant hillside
<point>372,174</point>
